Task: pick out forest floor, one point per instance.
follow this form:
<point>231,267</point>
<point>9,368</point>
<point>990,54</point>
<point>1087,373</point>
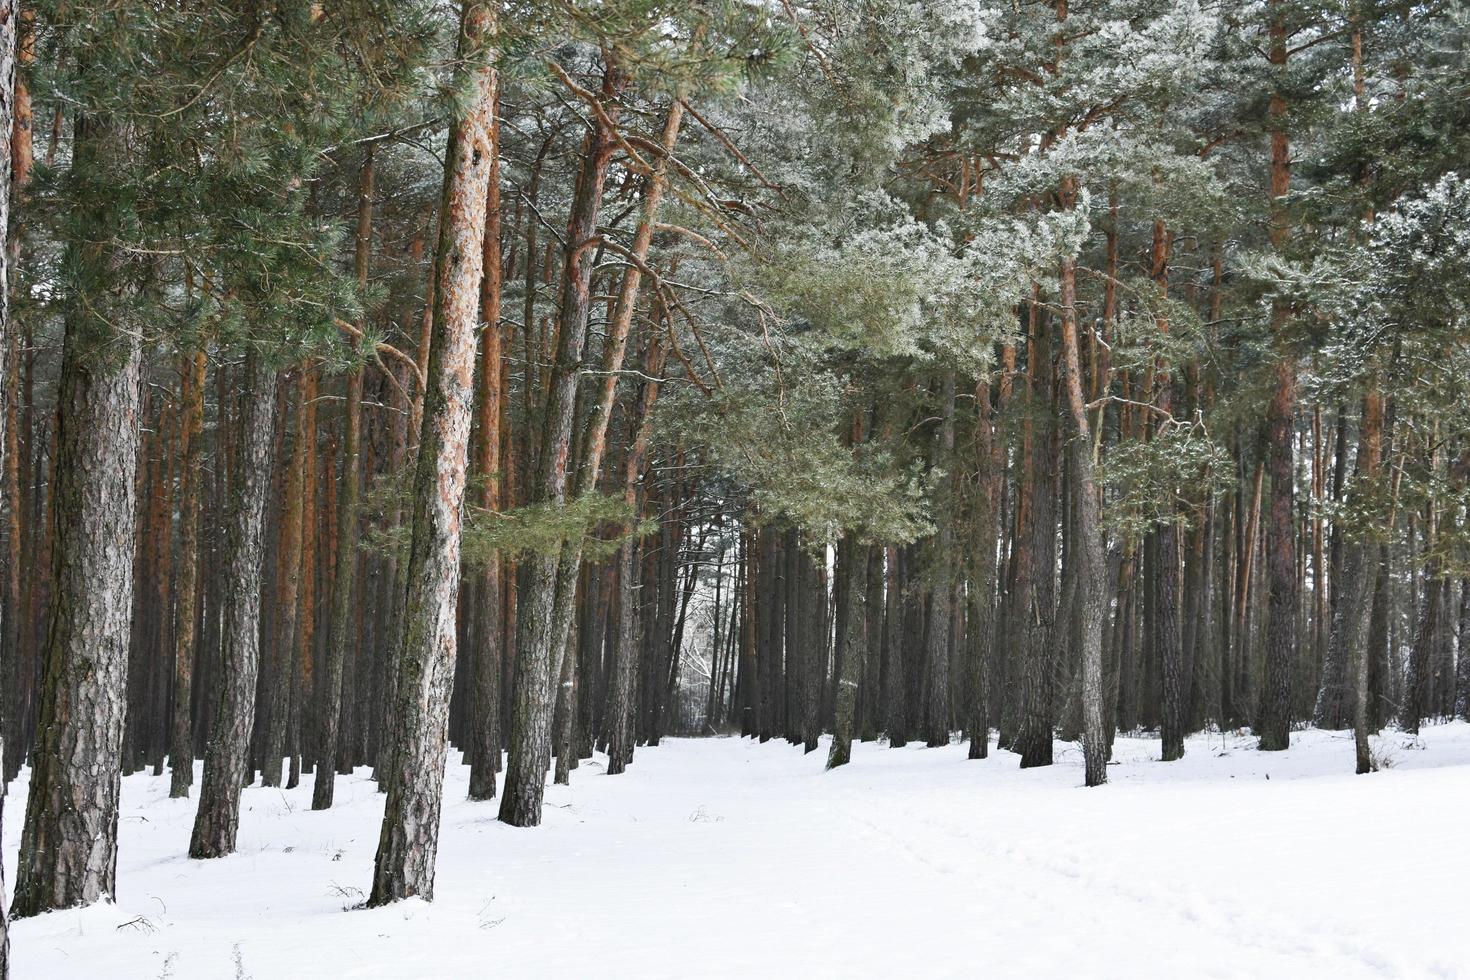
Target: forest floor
<point>724,858</point>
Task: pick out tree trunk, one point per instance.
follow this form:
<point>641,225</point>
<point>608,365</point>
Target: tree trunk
<point>538,651</point>
<point>408,844</point>
<point>936,709</point>
<point>1285,602</point>
<point>226,755</point>
<point>1462,665</point>
<point>1092,564</point>
<point>19,117</point>
<point>620,708</point>
<point>1036,577</point>
<point>301,647</point>
<point>1418,702</point>
<point>854,627</point>
<point>68,853</point>
<point>288,592</point>
<point>345,575</point>
<point>895,711</point>
<point>181,752</point>
<point>487,627</point>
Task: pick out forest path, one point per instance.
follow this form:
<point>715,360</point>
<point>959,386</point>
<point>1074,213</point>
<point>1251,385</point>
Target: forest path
<point>721,857</point>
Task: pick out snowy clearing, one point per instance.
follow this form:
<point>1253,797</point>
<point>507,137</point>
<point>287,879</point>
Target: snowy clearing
<point>721,857</point>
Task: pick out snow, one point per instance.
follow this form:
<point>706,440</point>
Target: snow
<point>724,858</point>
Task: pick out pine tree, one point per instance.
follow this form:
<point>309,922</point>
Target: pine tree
<point>409,841</point>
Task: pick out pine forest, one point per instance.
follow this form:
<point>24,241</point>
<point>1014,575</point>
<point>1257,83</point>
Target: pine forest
<point>944,457</point>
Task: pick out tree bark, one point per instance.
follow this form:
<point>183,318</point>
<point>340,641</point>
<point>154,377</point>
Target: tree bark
<point>408,844</point>
<point>1036,576</point>
<point>936,709</point>
<point>11,115</point>
<point>1462,665</point>
<point>68,853</point>
<point>620,699</point>
<point>980,631</point>
<point>1092,564</point>
<point>1284,602</point>
<point>282,664</point>
<point>487,627</point>
<point>301,648</point>
<point>854,626</point>
<point>344,579</point>
<point>538,651</point>
<point>226,755</point>
<point>181,751</point>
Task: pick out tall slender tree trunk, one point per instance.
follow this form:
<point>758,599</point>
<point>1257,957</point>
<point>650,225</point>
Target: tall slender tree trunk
<point>339,637</point>
<point>301,647</point>
<point>1462,664</point>
<point>1361,575</point>
<point>227,753</point>
<point>747,692</point>
<point>540,642</point>
<point>1285,601</point>
<point>895,707</point>
<point>1036,576</point>
<point>980,627</point>
<point>1418,700</point>
<point>594,438</point>
<point>936,709</point>
<point>487,627</point>
<point>279,681</point>
<point>620,708</point>
<point>408,844</point>
<point>11,117</point>
<point>181,751</point>
<point>1167,641</point>
<point>1091,560</point>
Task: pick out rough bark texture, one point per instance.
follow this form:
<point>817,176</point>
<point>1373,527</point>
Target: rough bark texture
<point>620,692</point>
<point>1168,644</point>
<point>1284,600</point>
<point>1092,565</point>
<point>1417,693</point>
<point>1036,577</point>
<point>538,652</point>
<point>895,718</point>
<point>181,746</point>
<point>1462,666</point>
<point>936,707</point>
<point>344,578</point>
<point>1167,638</point>
<point>487,627</point>
<point>288,593</point>
<point>854,627</point>
<point>68,853</point>
<point>980,629</point>
<point>300,650</point>
<point>227,753</point>
<point>624,665</point>
<point>408,844</point>
<point>8,116</point>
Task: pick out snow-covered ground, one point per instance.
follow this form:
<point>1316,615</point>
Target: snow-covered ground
<point>723,858</point>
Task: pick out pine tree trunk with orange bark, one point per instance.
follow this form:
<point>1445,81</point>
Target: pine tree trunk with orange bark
<point>344,578</point>
<point>486,624</point>
<point>408,843</point>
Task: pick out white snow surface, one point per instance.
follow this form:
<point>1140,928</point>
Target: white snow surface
<point>725,858</point>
